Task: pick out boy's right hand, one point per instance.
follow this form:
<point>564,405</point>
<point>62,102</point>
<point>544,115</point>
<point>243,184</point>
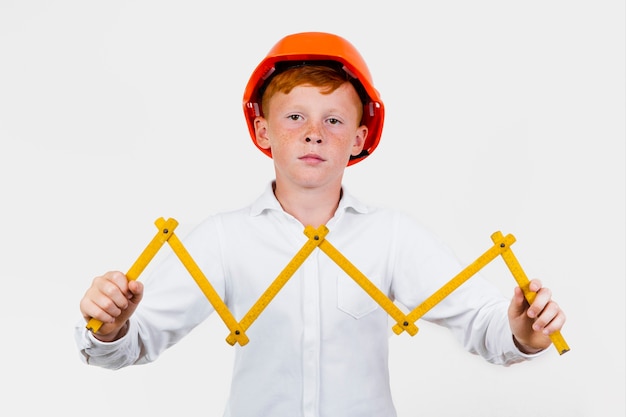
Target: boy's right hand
<point>112,299</point>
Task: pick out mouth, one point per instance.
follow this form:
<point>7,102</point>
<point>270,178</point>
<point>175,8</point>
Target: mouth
<point>312,158</point>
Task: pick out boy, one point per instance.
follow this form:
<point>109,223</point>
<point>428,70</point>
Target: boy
<point>320,347</point>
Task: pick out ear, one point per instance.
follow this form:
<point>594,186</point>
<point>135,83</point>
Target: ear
<point>359,140</point>
<point>260,131</point>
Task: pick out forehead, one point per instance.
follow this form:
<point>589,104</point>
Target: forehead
<point>343,98</point>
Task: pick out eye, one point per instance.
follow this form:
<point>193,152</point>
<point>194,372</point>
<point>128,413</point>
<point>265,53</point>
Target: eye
<point>334,121</point>
<point>294,117</point>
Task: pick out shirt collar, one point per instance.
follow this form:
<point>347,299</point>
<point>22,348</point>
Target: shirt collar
<point>267,201</point>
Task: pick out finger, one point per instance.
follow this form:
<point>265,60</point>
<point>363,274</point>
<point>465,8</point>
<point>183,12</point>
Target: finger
<point>518,302</point>
<point>535,285</point>
<point>542,298</point>
<point>109,305</point>
<point>550,320</point>
<point>136,290</point>
<point>119,279</point>
<point>107,296</point>
<point>556,324</point>
<point>90,310</point>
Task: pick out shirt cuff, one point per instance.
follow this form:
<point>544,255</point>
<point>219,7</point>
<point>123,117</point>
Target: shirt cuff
<point>524,354</point>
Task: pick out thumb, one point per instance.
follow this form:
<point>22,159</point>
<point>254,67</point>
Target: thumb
<point>135,295</point>
<point>518,305</point>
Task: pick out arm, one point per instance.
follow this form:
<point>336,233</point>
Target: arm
<point>142,319</point>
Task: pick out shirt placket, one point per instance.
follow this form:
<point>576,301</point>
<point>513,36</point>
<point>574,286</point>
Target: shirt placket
<point>311,335</point>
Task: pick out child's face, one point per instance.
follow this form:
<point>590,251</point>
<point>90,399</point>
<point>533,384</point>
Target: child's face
<point>312,135</point>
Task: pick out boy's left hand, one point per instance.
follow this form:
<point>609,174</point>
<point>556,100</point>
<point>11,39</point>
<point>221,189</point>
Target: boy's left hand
<point>532,325</point>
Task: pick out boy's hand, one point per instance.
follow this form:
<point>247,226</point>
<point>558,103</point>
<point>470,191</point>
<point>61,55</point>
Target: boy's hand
<point>112,299</point>
<point>532,325</point>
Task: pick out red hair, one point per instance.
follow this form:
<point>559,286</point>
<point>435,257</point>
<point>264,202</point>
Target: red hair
<point>326,78</point>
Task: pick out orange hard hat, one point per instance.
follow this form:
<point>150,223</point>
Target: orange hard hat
<point>309,48</point>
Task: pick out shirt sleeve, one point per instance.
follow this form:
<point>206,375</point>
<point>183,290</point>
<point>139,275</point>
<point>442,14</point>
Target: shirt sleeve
<point>109,355</point>
<point>476,312</point>
<point>172,306</point>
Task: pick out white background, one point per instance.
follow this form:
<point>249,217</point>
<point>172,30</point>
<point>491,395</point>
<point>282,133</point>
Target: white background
<point>500,116</point>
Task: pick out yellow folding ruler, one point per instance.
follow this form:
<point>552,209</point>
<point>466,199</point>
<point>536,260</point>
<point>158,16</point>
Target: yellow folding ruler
<point>317,239</point>
<point>166,234</point>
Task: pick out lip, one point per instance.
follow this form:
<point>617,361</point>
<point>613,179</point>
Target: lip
<point>311,158</point>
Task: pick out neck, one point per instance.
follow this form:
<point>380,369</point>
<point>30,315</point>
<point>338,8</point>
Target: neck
<point>310,206</point>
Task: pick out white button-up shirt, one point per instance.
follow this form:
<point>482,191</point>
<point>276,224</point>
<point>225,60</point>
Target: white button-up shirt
<point>320,347</point>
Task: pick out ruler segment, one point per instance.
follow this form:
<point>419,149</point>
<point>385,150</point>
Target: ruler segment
<point>457,281</point>
<point>524,283</point>
<point>209,292</point>
<point>166,229</point>
<point>315,237</point>
<point>403,323</point>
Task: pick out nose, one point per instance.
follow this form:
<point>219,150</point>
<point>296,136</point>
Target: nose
<point>313,132</point>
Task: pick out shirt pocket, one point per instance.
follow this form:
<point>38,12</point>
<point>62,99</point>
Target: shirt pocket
<point>352,299</point>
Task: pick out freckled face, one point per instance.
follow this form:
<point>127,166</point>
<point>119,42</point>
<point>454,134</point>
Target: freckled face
<point>312,135</point>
